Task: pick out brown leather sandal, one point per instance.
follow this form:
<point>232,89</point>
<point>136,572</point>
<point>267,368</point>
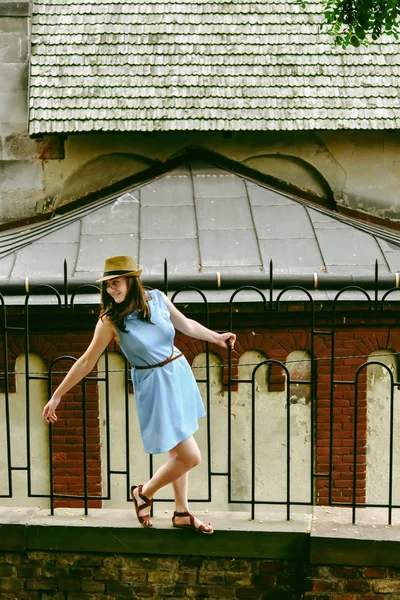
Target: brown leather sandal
<point>192,525</point>
<point>139,507</point>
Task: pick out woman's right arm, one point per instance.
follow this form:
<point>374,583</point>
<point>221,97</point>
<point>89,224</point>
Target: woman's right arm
<point>103,334</point>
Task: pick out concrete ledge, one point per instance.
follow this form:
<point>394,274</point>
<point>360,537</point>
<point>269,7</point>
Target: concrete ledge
<point>324,537</point>
<point>369,542</point>
<point>117,531</point>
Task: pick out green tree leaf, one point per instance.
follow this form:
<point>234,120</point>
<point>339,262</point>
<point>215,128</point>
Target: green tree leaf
<point>360,21</point>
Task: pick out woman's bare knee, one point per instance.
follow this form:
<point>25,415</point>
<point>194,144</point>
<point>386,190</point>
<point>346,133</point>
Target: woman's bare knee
<point>189,453</point>
<point>194,459</point>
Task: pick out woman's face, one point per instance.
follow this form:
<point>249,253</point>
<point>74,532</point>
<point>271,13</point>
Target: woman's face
<point>117,288</point>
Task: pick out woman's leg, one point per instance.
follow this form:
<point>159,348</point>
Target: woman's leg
<point>182,458</point>
<point>180,487</point>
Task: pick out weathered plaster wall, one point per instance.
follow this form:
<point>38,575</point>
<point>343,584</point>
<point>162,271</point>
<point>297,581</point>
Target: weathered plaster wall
<point>361,169</point>
<point>38,462</point>
<point>21,181</point>
<point>379,431</point>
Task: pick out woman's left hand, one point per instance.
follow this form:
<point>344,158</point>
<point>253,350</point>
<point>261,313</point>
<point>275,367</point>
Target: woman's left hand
<point>224,339</point>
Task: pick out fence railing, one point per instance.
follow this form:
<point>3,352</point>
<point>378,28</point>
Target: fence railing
<point>295,428</point>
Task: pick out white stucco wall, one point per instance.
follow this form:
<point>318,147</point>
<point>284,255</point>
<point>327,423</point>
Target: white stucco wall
<point>39,438</point>
<point>378,430</point>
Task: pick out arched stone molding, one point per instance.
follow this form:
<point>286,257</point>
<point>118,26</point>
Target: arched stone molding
<point>38,345</point>
<point>373,341</point>
<point>393,340</point>
<point>39,438</point>
<point>274,345</point>
<point>295,171</point>
<point>370,161</point>
<point>378,428</point>
<point>100,172</point>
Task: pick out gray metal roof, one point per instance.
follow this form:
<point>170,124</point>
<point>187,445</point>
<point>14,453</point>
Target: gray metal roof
<point>183,65</point>
<point>202,219</point>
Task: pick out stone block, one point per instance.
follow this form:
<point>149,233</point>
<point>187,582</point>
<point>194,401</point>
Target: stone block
<point>7,571</point>
<point>13,48</point>
<point>386,586</point>
<point>174,591</point>
<point>41,584</point>
<point>8,128</point>
<point>10,585</point>
<point>160,577</point>
<point>93,586</point>
<point>13,8</point>
<point>52,596</point>
<point>16,204</point>
<point>21,175</point>
<point>14,77</point>
<point>9,24</point>
<point>13,109</point>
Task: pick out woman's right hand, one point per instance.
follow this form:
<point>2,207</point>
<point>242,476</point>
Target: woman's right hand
<point>49,411</point>
<point>103,334</point>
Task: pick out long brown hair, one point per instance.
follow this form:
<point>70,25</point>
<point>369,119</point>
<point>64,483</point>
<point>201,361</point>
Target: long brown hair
<point>136,299</point>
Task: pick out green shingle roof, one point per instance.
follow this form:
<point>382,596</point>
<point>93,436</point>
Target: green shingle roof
<point>143,65</point>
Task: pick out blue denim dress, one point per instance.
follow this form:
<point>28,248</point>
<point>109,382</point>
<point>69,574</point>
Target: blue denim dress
<point>168,400</point>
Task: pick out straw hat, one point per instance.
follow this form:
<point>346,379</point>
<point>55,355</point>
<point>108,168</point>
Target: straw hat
<point>126,266</point>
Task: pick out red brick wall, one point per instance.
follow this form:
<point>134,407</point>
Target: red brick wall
<point>76,576</point>
<point>351,583</point>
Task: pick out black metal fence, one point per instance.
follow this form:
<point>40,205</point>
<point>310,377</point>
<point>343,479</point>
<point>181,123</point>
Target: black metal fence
<point>324,321</point>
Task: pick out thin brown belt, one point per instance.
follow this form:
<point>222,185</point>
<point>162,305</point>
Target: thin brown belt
<point>164,362</point>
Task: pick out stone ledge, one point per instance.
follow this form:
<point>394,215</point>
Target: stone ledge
<point>369,542</point>
<point>324,537</point>
<point>117,531</point>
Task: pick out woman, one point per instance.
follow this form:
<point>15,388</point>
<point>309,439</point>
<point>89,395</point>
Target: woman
<point>167,397</point>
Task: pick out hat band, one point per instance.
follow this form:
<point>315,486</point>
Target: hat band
<point>108,273</point>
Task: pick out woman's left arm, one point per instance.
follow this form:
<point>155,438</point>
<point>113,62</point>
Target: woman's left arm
<point>196,330</point>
